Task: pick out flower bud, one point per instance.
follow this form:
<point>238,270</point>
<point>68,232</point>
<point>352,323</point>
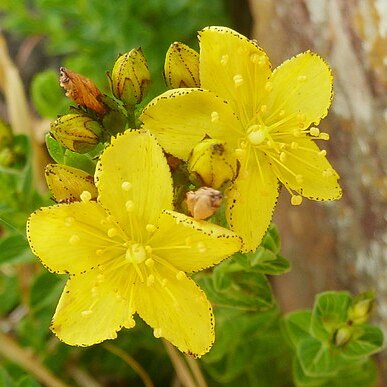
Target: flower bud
<point>76,132</point>
<point>360,311</point>
<point>67,183</point>
<point>203,203</point>
<point>212,162</point>
<point>342,335</point>
<point>181,67</point>
<point>130,77</point>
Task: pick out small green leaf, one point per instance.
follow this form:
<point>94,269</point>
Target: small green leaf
<point>369,340</point>
<point>27,381</point>
<point>297,326</point>
<point>318,359</point>
<point>14,248</point>
<point>271,240</point>
<point>55,149</point>
<point>329,312</point>
<point>81,161</point>
<point>5,378</point>
<point>9,293</point>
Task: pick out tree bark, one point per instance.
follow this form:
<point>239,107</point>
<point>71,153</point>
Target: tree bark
<point>337,245</point>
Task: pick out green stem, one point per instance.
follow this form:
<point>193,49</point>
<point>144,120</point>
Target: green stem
<point>10,350</point>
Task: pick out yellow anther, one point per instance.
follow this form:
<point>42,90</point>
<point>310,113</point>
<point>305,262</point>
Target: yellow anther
<point>327,173</point>
<point>150,228</point>
<point>157,332</point>
<point>263,108</point>
<point>149,262</point>
<point>69,221</point>
<point>302,78</point>
<point>99,252</point>
<point>294,145</point>
<point>129,205</point>
<point>100,278</point>
<point>296,200</point>
<point>281,113</point>
<point>112,232</point>
<point>201,247</point>
<point>322,153</point>
<point>282,157</point>
<point>314,131</point>
<point>150,280</point>
<point>238,80</point>
<point>74,239</point>
<point>254,58</point>
<point>164,282</point>
<point>148,249</point>
<point>85,313</point>
<point>324,136</point>
<point>262,60</point>
<point>299,179</point>
<point>270,143</point>
<point>180,275</point>
<point>243,144</point>
<point>94,291</point>
<point>214,117</point>
<point>126,186</point>
<point>85,196</point>
<point>268,86</point>
<point>224,60</point>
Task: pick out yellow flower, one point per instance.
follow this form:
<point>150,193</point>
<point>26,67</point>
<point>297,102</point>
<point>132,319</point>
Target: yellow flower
<point>264,116</point>
<point>128,253</point>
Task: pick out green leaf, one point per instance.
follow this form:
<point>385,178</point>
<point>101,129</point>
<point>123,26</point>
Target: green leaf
<point>14,248</point>
<point>271,240</point>
<point>233,287</point>
<point>318,359</point>
<point>367,341</point>
<point>329,312</point>
<point>297,326</point>
<point>27,381</point>
<point>361,375</point>
<point>81,161</point>
<point>55,149</point>
<point>9,293</point>
<point>47,96</point>
<point>5,378</point>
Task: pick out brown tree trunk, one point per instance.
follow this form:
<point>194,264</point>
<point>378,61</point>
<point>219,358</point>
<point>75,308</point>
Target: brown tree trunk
<point>337,245</point>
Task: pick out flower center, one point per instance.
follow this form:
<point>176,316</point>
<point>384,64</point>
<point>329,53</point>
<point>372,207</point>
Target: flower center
<point>135,253</point>
<point>256,134</point>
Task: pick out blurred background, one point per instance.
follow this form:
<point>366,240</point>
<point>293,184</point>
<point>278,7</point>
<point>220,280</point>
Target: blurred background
<point>332,246</point>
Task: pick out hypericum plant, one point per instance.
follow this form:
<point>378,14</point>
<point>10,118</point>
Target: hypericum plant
<point>139,204</point>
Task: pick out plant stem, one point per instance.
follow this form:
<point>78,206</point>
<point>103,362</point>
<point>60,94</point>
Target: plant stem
<point>131,362</point>
<point>196,371</point>
<point>26,360</point>
<point>180,366</point>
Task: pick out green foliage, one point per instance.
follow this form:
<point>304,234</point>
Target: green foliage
<point>249,344</point>
<point>89,34</point>
<point>329,347</point>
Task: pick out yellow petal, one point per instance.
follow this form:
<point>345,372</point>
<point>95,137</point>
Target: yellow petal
<point>192,245</point>
<point>134,181</point>
<point>233,67</point>
<point>307,171</point>
<point>251,201</point>
<point>70,238</point>
<point>67,183</point>
<point>92,309</point>
<point>177,309</point>
<point>301,92</point>
<point>181,118</point>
